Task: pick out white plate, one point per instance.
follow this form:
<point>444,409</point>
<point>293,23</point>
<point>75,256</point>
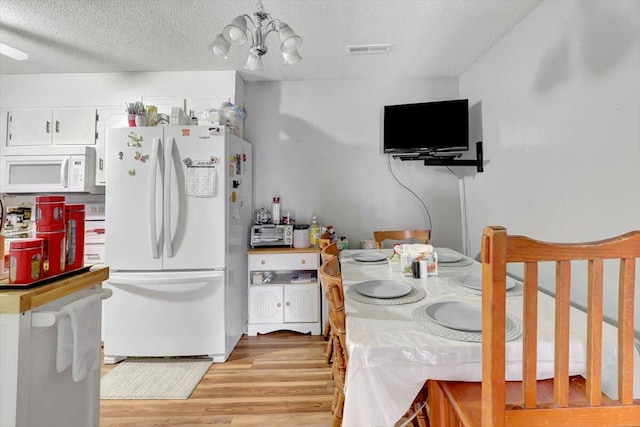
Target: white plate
<point>448,257</point>
<point>459,315</point>
<point>369,256</point>
<point>474,281</point>
<point>383,289</point>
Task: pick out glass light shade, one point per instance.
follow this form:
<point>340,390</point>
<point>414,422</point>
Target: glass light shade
<point>291,58</point>
<point>289,41</point>
<point>221,47</point>
<point>254,63</point>
<point>236,32</point>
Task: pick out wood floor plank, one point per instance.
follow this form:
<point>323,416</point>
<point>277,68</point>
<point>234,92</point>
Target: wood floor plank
<point>276,379</point>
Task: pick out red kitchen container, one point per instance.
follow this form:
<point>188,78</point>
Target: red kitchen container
<point>74,217</point>
<point>50,211</point>
<point>25,265</point>
<point>54,249</point>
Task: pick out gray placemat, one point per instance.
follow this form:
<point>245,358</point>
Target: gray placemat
<point>416,294</point>
<point>513,327</point>
<point>462,263</point>
<point>516,291</point>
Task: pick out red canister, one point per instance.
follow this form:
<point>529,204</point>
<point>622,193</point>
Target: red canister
<point>54,249</point>
<point>74,217</point>
<point>25,265</point>
<point>50,211</point>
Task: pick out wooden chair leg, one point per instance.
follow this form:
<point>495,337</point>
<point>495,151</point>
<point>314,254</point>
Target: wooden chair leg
<point>327,330</point>
<point>328,353</point>
<point>338,407</point>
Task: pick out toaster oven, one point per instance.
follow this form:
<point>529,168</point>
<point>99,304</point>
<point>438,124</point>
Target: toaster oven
<point>271,235</point>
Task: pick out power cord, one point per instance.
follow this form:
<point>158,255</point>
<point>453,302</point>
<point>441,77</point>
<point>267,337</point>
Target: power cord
<point>410,191</point>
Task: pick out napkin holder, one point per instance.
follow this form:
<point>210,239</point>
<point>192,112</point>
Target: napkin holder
<point>416,252</point>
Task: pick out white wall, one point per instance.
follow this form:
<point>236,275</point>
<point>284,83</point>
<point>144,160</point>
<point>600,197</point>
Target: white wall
<point>318,145</point>
<point>560,97</point>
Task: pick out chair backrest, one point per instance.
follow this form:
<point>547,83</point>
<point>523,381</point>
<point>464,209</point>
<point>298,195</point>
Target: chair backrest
<point>379,236</point>
<point>324,240</point>
<point>331,280</point>
<point>329,251</point>
<point>500,249</point>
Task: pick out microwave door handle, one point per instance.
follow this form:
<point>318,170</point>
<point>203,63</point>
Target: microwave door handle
<point>168,238</point>
<point>156,150</point>
<point>64,173</point>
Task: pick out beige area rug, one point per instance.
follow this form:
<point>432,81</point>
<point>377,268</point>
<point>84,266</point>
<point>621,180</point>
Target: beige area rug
<point>154,378</point>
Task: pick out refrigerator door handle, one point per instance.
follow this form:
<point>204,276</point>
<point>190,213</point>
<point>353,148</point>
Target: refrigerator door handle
<point>168,240</point>
<point>157,151</point>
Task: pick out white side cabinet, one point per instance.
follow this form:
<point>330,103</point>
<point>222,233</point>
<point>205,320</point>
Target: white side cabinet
<point>284,291</point>
<point>47,126</point>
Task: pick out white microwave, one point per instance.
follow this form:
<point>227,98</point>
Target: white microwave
<point>55,169</point>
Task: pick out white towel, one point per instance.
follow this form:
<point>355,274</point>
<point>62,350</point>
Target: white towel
<point>79,337</point>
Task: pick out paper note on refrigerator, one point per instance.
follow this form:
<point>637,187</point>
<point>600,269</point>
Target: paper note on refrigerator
<point>201,179</point>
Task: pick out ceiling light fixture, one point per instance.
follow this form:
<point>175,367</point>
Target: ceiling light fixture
<point>242,27</point>
<point>12,52</point>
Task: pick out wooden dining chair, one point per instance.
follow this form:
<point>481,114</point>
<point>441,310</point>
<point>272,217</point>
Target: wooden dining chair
<point>399,235</point>
<point>324,240</point>
<point>329,251</point>
<point>563,400</point>
<point>331,279</point>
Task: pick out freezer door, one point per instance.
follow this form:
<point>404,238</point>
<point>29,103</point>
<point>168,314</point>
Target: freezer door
<point>133,199</point>
<point>195,198</point>
<point>165,314</point>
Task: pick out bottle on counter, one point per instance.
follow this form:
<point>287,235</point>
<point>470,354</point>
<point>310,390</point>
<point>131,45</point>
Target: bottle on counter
<point>275,210</point>
<point>314,232</point>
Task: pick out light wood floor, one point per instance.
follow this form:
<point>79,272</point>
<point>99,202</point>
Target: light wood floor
<point>278,379</point>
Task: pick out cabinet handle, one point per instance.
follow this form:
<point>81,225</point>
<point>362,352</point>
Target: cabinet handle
<point>302,262</point>
<point>101,163</point>
<point>263,262</point>
<point>48,126</point>
<point>57,126</point>
<point>279,305</point>
<point>288,304</point>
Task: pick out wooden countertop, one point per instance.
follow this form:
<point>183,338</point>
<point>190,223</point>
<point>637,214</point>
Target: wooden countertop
<point>14,301</point>
<point>281,250</point>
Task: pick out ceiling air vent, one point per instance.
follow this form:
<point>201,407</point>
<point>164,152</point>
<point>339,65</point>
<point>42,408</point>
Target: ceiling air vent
<point>368,49</point>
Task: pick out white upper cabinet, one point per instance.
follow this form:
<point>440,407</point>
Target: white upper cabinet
<point>47,126</point>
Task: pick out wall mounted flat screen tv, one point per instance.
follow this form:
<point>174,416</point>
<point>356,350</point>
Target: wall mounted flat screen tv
<point>427,127</point>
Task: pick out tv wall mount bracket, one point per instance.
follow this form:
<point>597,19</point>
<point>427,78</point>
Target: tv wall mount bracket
<point>446,159</point>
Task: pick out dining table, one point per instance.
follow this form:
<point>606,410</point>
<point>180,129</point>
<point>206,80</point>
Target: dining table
<point>398,338</point>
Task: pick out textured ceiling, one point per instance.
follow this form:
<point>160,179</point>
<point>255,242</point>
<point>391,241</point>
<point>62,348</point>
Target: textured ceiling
<point>429,38</point>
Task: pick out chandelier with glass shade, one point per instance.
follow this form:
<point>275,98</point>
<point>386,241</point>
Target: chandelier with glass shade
<point>257,28</point>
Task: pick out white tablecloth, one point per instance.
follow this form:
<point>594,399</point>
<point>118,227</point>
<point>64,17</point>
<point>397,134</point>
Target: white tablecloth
<point>391,356</point>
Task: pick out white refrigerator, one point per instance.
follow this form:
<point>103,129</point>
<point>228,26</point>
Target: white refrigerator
<point>178,210</point>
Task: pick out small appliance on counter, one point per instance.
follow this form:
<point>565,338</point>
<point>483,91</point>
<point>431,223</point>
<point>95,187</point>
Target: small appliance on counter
<point>271,235</point>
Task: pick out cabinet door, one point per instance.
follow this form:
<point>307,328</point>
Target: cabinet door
<point>27,127</point>
<point>301,303</point>
<point>111,117</point>
<point>265,304</point>
<point>74,126</point>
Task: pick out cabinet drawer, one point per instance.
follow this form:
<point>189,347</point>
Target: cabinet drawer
<point>294,261</point>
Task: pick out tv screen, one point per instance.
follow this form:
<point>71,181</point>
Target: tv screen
<point>427,127</point>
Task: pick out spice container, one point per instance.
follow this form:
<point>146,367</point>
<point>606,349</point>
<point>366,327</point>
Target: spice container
<point>54,249</point>
<point>25,265</point>
<point>275,210</point>
<point>50,211</point>
<point>74,217</point>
